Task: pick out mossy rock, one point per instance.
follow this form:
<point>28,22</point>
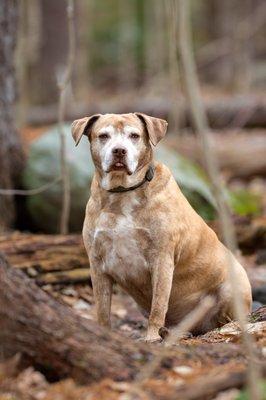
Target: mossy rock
<point>44,165</point>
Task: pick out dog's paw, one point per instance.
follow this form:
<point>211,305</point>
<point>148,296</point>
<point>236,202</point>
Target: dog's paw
<point>152,339</point>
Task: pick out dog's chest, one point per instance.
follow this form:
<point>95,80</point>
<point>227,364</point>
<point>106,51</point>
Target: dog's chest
<point>121,244</point>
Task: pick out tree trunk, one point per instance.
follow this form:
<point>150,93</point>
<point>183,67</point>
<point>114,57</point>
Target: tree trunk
<point>47,35</point>
<point>11,154</point>
<point>52,337</point>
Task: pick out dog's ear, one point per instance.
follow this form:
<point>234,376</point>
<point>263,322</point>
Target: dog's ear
<point>83,127</point>
<point>156,127</point>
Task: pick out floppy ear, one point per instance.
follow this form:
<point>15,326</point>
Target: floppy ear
<point>156,127</point>
<point>82,127</point>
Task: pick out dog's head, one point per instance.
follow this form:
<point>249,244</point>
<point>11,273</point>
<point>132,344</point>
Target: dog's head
<point>120,142</point>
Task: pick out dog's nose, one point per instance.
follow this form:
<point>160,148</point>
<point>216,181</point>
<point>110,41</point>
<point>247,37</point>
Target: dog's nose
<point>119,151</point>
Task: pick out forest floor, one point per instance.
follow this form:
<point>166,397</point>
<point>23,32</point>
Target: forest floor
<point>211,366</point>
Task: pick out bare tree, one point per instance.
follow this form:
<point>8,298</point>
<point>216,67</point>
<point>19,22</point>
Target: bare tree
<point>11,153</point>
<point>201,127</point>
<point>241,46</point>
<point>64,85</point>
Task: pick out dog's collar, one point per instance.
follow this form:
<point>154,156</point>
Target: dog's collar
<point>147,178</point>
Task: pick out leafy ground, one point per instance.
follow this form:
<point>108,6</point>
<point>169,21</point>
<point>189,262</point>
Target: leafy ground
<point>211,366</point>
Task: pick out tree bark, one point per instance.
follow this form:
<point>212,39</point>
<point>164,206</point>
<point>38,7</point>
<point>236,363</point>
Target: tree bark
<point>11,154</point>
<point>52,337</point>
<point>50,259</point>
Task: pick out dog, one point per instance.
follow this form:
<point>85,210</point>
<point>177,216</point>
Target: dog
<point>141,232</point>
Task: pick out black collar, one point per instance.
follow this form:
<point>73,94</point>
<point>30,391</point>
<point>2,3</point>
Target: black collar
<point>147,178</point>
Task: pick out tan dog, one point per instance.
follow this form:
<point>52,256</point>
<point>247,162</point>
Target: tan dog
<point>141,232</point>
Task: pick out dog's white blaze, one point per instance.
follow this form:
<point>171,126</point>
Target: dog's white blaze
<point>119,139</point>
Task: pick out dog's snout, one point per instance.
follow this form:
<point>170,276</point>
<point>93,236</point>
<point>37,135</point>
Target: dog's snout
<point>119,151</point>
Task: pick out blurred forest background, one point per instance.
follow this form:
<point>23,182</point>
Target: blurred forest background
<point>125,58</point>
<point>62,60</point>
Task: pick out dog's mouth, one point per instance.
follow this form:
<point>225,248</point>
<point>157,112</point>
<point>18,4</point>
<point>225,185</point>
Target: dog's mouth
<point>119,166</point>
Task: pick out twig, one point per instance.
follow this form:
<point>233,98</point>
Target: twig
<point>63,86</point>
<point>174,335</point>
<point>29,192</point>
<point>202,129</point>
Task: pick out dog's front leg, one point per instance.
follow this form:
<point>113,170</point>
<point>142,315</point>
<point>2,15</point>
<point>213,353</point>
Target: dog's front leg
<point>162,276</point>
<point>102,290</point>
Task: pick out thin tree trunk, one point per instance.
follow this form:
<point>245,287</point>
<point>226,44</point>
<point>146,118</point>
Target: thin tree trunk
<point>241,51</point>
<point>11,154</point>
<point>202,129</point>
<point>220,20</point>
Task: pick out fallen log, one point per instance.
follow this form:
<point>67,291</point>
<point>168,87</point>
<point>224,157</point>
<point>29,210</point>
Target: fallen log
<point>240,154</point>
<point>50,335</point>
<point>208,386</point>
<point>77,275</point>
<point>44,253</point>
<point>245,111</point>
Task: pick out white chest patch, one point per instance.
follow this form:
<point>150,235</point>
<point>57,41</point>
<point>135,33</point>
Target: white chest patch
<point>120,244</point>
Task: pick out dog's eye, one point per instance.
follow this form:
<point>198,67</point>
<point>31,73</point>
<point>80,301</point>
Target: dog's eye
<point>134,136</point>
<point>103,136</point>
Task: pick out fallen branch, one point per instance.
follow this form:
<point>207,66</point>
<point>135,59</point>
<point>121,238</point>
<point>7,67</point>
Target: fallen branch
<point>209,386</point>
<point>76,275</point>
